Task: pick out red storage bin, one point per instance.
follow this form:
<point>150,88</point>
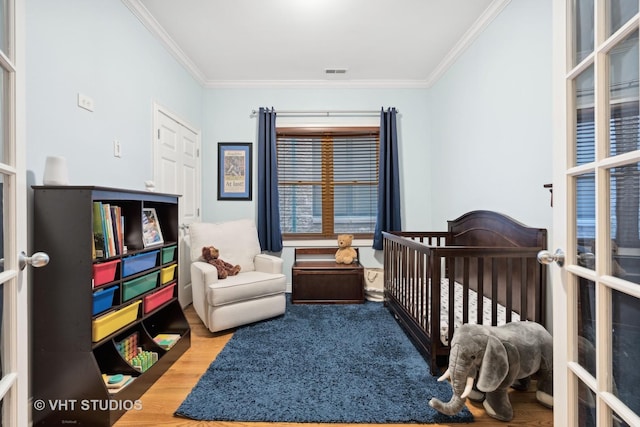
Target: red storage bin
<point>104,272</point>
<point>156,299</point>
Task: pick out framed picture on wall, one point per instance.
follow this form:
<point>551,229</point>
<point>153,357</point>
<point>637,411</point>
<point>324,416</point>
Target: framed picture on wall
<point>234,170</point>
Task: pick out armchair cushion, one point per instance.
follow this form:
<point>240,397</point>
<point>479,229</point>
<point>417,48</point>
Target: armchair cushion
<point>236,240</point>
<point>253,284</point>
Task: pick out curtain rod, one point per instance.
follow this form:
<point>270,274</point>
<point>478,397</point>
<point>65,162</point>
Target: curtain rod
<point>327,113</point>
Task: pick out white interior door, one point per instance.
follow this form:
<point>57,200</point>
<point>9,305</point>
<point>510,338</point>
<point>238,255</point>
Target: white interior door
<point>177,171</point>
<point>596,294</point>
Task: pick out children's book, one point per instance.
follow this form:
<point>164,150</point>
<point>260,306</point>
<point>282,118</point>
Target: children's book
<point>166,341</point>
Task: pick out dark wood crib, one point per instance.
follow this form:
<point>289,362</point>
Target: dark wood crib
<point>482,270</point>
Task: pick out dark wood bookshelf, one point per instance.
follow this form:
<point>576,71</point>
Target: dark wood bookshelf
<point>68,357</point>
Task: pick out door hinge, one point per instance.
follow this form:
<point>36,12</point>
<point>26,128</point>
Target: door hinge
<point>158,133</point>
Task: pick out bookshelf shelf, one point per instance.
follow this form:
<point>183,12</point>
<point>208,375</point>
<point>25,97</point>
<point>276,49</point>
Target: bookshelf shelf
<point>92,309</point>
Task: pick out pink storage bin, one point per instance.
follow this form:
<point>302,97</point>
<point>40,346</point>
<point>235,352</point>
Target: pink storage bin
<point>104,272</point>
<point>156,299</point>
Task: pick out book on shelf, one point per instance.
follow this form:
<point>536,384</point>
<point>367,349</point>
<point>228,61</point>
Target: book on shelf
<point>98,231</point>
<point>117,382</point>
<point>108,230</point>
<point>166,341</point>
<point>151,230</point>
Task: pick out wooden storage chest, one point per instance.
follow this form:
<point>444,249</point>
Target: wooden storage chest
<point>317,278</point>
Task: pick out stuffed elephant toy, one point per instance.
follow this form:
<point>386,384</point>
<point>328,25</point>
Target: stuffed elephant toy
<point>493,358</point>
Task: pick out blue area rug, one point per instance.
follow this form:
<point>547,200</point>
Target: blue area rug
<point>320,363</point>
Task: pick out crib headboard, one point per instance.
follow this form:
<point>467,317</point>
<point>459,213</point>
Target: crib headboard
<point>491,229</point>
<point>488,228</point>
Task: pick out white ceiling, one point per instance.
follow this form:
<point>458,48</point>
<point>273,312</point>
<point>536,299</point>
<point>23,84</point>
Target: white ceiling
<point>291,42</point>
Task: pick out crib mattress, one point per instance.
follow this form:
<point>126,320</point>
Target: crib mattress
<point>458,309</point>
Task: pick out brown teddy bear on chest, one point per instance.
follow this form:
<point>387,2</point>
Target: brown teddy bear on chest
<point>210,254</point>
<point>345,253</point>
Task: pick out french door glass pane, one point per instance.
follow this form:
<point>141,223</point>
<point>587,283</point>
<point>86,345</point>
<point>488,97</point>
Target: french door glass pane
<point>3,26</point>
<point>2,334</point>
<point>585,188</point>
<point>2,223</point>
<point>624,187</point>
<point>586,406</point>
<point>617,421</point>
<point>584,126</point>
<point>619,12</point>
<point>623,96</point>
<point>625,317</point>
<point>4,81</point>
<point>583,37</point>
<point>587,325</point>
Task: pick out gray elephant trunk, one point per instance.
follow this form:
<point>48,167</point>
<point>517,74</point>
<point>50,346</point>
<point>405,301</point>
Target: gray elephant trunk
<point>452,407</point>
<point>460,383</point>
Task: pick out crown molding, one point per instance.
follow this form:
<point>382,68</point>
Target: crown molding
<point>467,39</point>
<point>142,13</point>
<point>310,84</point>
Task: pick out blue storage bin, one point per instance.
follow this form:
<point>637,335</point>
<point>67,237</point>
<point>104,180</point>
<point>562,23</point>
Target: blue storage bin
<point>103,299</point>
<point>137,263</point>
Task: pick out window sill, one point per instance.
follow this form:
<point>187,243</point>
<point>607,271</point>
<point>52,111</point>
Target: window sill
<point>311,243</point>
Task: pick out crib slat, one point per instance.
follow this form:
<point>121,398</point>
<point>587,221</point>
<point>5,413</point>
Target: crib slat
<point>480,291</point>
<point>494,291</point>
<point>509,290</point>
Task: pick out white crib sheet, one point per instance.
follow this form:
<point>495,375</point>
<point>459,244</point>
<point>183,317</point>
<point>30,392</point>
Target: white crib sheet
<point>473,309</point>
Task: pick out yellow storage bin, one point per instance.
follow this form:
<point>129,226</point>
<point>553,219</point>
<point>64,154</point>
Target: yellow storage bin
<point>111,322</point>
<point>167,274</point>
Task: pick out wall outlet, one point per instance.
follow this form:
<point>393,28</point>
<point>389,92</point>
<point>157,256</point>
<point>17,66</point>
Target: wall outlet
<point>85,102</point>
<point>117,150</point>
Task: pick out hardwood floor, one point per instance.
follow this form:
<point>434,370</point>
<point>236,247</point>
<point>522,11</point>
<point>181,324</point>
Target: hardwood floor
<point>164,397</point>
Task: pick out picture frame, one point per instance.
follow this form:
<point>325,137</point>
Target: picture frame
<point>234,170</point>
<point>151,231</point>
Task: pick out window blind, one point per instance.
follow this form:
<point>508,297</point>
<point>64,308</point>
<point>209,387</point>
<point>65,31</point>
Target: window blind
<point>328,181</point>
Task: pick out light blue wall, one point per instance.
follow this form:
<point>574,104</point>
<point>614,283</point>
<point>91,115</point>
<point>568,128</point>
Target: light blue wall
<point>100,49</point>
<point>491,121</point>
<point>227,119</point>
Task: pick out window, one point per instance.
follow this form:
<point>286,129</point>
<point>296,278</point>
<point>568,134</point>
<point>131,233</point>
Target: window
<point>327,181</point>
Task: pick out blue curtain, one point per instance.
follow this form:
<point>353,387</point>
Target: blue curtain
<point>269,232</point>
<point>388,218</point>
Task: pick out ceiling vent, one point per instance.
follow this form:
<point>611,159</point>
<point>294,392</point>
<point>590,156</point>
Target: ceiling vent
<point>335,73</point>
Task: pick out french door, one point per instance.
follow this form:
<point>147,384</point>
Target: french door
<point>14,380</point>
<point>596,293</point>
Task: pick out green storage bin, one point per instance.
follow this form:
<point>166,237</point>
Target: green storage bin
<point>135,287</point>
<point>168,254</point>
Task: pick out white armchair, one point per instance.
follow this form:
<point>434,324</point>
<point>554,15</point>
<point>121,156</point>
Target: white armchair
<point>256,293</point>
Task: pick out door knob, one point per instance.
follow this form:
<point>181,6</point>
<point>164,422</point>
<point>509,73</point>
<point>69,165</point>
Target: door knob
<point>39,259</point>
<point>546,257</point>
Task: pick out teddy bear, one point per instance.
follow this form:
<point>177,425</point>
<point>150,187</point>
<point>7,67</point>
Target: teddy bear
<point>210,254</point>
<point>345,253</point>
